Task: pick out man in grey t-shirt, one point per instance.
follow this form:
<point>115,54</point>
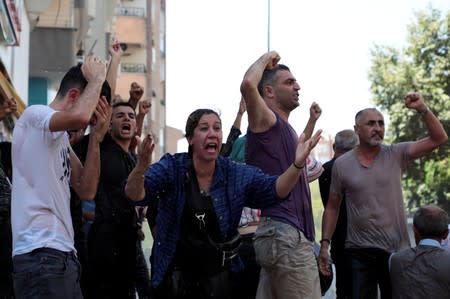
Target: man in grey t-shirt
<point>369,177</point>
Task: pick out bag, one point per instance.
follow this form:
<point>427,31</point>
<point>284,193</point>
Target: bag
<point>228,249</point>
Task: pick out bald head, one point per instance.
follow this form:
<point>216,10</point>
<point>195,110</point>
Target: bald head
<point>431,221</point>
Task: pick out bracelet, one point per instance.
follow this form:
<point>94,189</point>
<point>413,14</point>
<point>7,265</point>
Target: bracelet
<point>298,167</point>
<point>424,112</point>
<point>325,240</point>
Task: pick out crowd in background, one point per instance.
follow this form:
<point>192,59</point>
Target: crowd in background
<point>228,220</point>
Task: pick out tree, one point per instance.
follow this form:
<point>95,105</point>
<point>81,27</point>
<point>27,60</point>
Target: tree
<point>423,65</point>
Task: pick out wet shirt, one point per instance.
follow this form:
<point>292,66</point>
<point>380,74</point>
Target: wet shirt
<point>375,210</point>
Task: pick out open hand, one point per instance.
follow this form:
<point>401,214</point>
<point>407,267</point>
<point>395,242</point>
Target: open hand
<point>145,151</point>
<point>102,114</point>
<point>304,147</point>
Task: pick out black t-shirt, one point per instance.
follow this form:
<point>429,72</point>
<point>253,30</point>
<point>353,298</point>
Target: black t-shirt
<point>194,252</point>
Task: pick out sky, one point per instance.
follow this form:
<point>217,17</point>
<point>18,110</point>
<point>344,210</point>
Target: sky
<point>326,44</point>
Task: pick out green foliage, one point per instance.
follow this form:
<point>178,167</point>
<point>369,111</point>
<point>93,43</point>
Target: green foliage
<point>423,65</point>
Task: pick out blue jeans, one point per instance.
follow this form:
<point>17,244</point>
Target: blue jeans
<point>369,268</point>
<point>47,273</point>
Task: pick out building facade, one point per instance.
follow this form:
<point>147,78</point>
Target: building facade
<point>41,39</point>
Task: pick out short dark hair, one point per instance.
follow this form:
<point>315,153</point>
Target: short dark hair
<point>74,78</point>
<point>431,221</point>
<point>361,112</point>
<point>124,104</point>
<point>269,76</point>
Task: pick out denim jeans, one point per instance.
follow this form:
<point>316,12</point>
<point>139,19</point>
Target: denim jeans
<point>47,273</point>
<point>288,265</point>
<point>370,270</point>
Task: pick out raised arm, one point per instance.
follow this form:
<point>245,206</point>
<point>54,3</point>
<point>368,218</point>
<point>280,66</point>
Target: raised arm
<point>286,182</point>
<point>314,114</point>
<point>115,50</point>
<point>235,131</point>
<point>79,114</point>
<point>144,109</point>
<point>84,179</point>
<point>260,117</point>
<point>135,189</point>
<point>436,132</point>
<point>240,113</point>
<point>136,92</point>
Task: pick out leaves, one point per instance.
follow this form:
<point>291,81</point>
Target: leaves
<point>423,65</point>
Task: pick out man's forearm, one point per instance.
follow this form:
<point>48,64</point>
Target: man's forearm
<point>85,106</point>
<point>329,220</point>
<point>111,75</point>
<point>435,129</point>
<point>139,124</point>
<point>90,173</point>
<point>134,189</point>
<point>256,70</point>
<point>287,180</point>
<point>309,129</point>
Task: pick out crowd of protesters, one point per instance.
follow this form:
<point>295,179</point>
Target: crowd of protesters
<point>229,220</point>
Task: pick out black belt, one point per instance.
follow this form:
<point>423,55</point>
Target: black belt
<point>52,251</point>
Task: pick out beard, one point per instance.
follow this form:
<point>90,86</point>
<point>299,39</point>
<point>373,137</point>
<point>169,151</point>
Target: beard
<point>376,142</point>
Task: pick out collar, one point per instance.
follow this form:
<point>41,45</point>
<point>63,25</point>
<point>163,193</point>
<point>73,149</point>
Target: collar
<point>429,242</point>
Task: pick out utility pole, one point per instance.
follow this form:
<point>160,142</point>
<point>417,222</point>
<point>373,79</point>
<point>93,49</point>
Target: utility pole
<point>149,50</point>
<point>268,25</point>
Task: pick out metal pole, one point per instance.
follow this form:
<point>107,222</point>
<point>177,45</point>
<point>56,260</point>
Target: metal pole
<point>268,25</point>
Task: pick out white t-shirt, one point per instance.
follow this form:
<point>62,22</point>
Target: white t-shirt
<point>40,208</point>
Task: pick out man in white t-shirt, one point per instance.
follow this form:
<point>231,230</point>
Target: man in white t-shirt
<point>44,166</point>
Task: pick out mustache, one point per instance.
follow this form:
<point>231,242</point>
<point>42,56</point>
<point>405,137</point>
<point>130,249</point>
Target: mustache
<point>376,134</point>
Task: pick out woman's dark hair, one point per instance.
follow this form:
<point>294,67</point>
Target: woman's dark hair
<point>193,120</point>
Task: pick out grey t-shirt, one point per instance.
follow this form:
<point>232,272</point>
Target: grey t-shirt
<point>375,209</point>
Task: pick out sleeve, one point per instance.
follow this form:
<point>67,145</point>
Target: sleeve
<point>160,179</point>
<point>401,152</point>
<point>39,116</point>
<point>227,147</point>
<point>260,188</point>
